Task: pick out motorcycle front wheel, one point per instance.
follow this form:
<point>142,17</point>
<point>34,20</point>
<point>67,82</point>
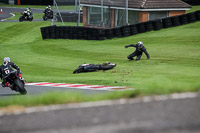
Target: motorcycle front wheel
<point>21,19</point>
<point>19,87</point>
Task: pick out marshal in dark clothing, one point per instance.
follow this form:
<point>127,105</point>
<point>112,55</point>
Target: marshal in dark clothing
<point>138,52</point>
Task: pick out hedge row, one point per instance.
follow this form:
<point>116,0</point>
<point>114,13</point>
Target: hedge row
<point>192,2</point>
<point>69,32</point>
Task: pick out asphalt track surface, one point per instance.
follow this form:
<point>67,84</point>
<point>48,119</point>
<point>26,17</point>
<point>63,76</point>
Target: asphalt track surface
<point>178,113</point>
<point>6,92</point>
<point>7,13</point>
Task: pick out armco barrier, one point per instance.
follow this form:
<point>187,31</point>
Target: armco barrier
<point>86,33</point>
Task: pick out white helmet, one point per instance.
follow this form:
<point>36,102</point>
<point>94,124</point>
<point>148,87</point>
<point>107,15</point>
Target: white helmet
<point>6,59</point>
<point>140,43</point>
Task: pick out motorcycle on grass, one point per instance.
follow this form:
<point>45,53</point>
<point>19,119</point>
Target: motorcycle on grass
<point>94,67</point>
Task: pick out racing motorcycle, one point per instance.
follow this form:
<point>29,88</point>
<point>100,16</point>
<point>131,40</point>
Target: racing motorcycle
<point>48,15</point>
<point>94,67</point>
<point>26,18</point>
<point>16,83</point>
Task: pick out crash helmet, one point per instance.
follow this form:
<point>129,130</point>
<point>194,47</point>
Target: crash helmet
<point>6,59</point>
<point>140,44</point>
<point>49,6</point>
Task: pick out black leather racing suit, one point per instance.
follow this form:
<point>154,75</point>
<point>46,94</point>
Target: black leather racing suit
<point>6,68</point>
<point>138,52</point>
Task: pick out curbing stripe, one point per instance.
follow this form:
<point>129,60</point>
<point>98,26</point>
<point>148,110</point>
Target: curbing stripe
<point>81,86</point>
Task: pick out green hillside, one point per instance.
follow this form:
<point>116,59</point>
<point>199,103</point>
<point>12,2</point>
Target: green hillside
<point>174,62</point>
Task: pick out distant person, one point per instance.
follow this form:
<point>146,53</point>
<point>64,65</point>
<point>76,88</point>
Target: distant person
<point>27,12</point>
<point>5,70</point>
<point>138,52</point>
<point>48,13</point>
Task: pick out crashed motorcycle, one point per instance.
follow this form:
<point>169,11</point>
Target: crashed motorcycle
<point>25,17</point>
<point>16,83</point>
<point>48,15</point>
<point>94,67</point>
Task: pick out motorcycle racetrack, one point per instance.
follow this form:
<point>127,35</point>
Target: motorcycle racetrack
<point>39,89</point>
<point>8,12</point>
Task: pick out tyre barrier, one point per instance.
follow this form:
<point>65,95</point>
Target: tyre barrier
<point>87,33</point>
<point>126,30</point>
<point>175,21</point>
<point>197,14</point>
<point>134,29</point>
<point>191,17</point>
<point>141,27</point>
<point>157,24</point>
<point>167,22</point>
<point>149,25</point>
<point>117,32</point>
<point>183,19</point>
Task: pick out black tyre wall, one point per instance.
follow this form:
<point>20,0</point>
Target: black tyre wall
<point>183,19</point>
<point>191,17</point>
<point>175,21</point>
<point>197,14</point>
<point>141,28</point>
<point>126,30</point>
<point>117,32</point>
<point>157,24</point>
<point>74,32</point>
<point>149,25</point>
<point>167,22</point>
<point>134,29</point>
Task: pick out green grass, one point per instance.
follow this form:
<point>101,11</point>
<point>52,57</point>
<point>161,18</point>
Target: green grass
<point>193,9</point>
<point>17,15</point>
<point>173,66</point>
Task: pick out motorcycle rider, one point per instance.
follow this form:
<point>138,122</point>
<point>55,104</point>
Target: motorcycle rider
<point>6,68</point>
<point>27,12</point>
<point>138,52</point>
<point>48,10</point>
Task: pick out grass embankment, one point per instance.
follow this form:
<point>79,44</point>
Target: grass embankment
<point>173,66</point>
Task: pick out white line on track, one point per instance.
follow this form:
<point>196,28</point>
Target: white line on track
<point>9,17</point>
<point>146,99</point>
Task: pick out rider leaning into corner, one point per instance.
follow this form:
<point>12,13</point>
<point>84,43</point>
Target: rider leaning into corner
<point>138,52</point>
<point>27,12</point>
<point>6,68</point>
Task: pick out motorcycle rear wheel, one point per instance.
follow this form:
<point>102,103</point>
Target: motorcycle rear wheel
<point>45,18</point>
